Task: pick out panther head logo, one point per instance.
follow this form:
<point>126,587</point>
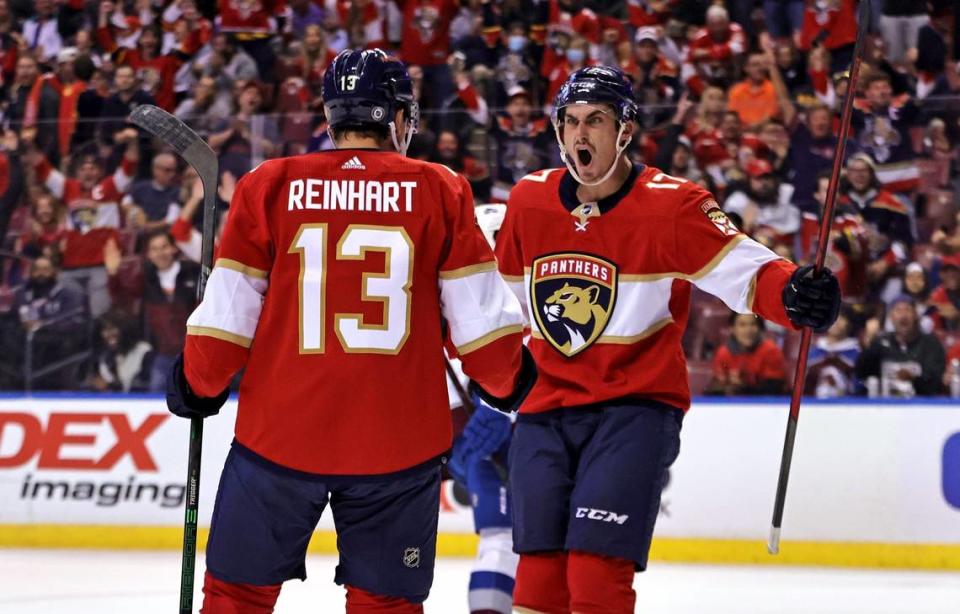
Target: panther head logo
<point>577,310</point>
<point>573,296</point>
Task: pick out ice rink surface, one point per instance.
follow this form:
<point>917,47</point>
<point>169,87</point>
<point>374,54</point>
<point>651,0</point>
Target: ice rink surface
<point>88,582</point>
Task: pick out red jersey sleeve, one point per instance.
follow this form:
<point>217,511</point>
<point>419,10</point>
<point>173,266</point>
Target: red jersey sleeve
<point>221,329</point>
<point>711,252</point>
<point>484,317</point>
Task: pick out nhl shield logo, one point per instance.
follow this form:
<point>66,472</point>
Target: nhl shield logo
<point>411,557</point>
<point>572,295</point>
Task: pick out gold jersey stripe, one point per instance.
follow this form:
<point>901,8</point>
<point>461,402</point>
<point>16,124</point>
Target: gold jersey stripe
<point>240,267</point>
<point>703,272</point>
<point>476,344</point>
<point>473,269</point>
<point>216,333</point>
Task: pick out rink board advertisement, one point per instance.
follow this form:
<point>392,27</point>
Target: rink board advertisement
<point>885,475</point>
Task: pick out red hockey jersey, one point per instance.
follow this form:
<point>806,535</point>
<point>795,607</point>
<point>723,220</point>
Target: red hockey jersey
<point>606,285</point>
<point>333,274</point>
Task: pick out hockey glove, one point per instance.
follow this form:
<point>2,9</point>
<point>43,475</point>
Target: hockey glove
<point>812,299</point>
<point>485,433</point>
<point>181,401</point>
<point>528,377</point>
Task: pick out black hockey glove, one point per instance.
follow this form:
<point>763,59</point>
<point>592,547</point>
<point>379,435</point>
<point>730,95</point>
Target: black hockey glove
<point>510,404</point>
<point>810,300</point>
<point>181,401</point>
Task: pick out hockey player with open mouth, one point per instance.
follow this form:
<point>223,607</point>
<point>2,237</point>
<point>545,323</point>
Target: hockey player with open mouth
<point>603,255</point>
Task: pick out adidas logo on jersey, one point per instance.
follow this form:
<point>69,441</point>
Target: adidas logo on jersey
<point>354,164</point>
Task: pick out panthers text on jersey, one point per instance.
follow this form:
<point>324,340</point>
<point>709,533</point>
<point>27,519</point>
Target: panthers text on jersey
<point>332,276</point>
<point>606,285</point>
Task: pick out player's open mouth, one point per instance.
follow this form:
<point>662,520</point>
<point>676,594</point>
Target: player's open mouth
<point>584,156</point>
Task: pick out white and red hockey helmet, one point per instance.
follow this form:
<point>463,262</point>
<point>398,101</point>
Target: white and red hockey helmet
<point>490,218</point>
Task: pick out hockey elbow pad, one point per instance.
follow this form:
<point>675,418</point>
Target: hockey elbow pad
<point>525,382</point>
<point>181,401</point>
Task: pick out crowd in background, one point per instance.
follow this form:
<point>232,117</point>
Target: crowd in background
<point>99,223</point>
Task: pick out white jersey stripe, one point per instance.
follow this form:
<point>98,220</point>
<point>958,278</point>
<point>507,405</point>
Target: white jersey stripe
<point>477,305</point>
<point>231,305</point>
<point>733,279</point>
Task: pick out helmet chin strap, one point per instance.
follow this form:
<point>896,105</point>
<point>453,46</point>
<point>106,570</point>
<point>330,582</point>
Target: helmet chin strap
<point>407,137</point>
<point>571,165</point>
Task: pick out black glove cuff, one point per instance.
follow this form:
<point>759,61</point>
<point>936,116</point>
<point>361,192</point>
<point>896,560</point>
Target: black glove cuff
<point>528,377</point>
<point>182,401</point>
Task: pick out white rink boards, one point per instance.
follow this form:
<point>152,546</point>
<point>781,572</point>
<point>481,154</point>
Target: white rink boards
<point>873,483</point>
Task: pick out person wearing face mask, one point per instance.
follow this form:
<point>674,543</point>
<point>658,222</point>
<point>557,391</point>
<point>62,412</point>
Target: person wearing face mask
<point>516,66</point>
<point>574,58</point>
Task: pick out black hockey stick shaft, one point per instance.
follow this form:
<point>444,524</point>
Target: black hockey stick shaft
<point>188,145</point>
<point>823,237</point>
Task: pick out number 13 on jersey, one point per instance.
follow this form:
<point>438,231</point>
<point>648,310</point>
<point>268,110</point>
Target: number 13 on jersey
<point>390,287</point>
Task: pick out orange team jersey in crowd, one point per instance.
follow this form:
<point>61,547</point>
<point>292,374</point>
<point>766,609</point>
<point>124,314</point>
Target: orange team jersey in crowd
<point>754,103</point>
<point>606,286</point>
<point>332,277</point>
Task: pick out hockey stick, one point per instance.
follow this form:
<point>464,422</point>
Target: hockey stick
<point>189,146</point>
<point>773,546</point>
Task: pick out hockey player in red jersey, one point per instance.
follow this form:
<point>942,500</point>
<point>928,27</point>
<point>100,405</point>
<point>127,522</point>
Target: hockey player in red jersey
<point>603,255</point>
<point>332,277</point>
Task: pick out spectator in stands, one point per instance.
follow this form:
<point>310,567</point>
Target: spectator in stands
<point>168,287</point>
<point>715,51</point>
<point>41,32</point>
<point>94,214</point>
<point>754,99</point>
<point>882,130</point>
<point>946,297</point>
<point>54,316</point>
<point>115,130</point>
<point>946,240</point>
<point>450,152</point>
<point>303,15</point>
<point>656,80</point>
<point>156,71</point>
<point>916,285</point>
<point>849,242</point>
<point>90,108</point>
<point>248,137</point>
<point>900,23</point>
<point>764,205</point>
<point>675,151</point>
<point>426,43</point>
<point>253,26</point>
<point>832,360</point>
<point>206,108</point>
<point>45,228</point>
<point>906,362</point>
<point>465,110</point>
<point>33,102</point>
<point>12,180</point>
<point>886,218</point>
<point>156,199</point>
<point>124,362</point>
<point>225,62</point>
<point>524,143</point>
<point>833,26</point>
<point>792,68</point>
<point>748,364</point>
<point>516,65</point>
